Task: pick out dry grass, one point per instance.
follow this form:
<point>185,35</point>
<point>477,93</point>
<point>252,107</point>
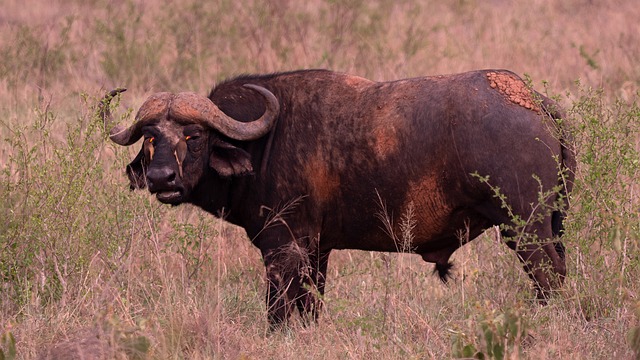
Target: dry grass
<point>105,273</point>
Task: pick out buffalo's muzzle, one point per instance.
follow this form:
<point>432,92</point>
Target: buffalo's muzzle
<point>162,182</point>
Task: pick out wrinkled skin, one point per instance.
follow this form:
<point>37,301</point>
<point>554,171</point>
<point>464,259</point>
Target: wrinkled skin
<point>342,145</point>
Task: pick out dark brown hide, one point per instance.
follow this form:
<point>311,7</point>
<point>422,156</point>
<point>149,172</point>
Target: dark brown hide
<point>343,148</point>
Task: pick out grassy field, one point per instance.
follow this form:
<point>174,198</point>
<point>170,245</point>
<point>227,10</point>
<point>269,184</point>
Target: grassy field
<point>89,270</point>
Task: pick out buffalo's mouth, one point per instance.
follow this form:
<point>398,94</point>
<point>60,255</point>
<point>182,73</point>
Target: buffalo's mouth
<point>169,196</point>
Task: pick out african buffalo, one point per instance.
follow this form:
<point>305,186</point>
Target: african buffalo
<point>314,160</point>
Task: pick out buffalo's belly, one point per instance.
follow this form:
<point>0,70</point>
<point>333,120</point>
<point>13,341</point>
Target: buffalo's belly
<point>395,231</point>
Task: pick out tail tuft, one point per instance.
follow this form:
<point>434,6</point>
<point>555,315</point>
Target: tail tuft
<point>556,223</point>
<point>443,270</point>
<point>559,249</point>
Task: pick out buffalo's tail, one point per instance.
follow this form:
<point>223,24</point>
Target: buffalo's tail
<point>566,173</point>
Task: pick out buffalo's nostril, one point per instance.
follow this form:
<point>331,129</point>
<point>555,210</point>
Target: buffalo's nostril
<point>172,178</point>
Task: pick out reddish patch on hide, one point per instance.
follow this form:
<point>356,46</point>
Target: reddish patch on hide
<point>513,88</point>
<point>385,140</point>
<point>356,81</point>
<point>428,204</point>
<point>323,183</point>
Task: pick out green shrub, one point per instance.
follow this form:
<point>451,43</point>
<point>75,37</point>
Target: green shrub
<point>604,221</point>
<point>59,209</point>
<point>497,335</point>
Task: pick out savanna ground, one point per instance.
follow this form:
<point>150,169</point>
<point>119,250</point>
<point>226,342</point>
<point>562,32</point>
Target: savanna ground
<point>89,269</point>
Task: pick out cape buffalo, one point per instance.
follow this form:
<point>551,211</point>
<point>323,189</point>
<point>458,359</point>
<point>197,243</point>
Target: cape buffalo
<point>313,160</point>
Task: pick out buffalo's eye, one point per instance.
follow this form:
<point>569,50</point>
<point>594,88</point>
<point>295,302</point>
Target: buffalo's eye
<point>193,142</point>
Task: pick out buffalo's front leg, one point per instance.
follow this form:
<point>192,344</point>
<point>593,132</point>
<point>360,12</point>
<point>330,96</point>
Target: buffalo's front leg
<point>309,299</point>
<point>280,293</point>
<point>286,267</point>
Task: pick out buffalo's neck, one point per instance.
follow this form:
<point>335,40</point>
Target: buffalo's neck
<point>225,198</point>
<point>212,196</point>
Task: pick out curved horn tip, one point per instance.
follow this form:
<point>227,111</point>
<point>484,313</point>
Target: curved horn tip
<point>253,86</point>
<point>258,88</point>
<point>207,111</point>
<point>273,100</point>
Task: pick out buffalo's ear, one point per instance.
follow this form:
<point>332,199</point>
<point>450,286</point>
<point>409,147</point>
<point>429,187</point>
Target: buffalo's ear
<point>135,172</point>
<point>228,160</point>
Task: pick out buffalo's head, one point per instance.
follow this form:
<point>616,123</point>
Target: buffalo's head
<point>184,135</point>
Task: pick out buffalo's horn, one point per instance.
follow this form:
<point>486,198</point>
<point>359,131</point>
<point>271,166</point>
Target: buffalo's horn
<point>154,108</point>
<point>199,108</point>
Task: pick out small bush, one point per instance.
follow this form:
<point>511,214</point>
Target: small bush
<point>497,335</point>
<point>58,211</point>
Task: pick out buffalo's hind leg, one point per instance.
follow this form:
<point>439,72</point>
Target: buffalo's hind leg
<point>541,255</point>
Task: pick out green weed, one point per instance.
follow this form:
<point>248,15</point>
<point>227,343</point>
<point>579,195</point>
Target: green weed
<point>55,200</point>
<point>497,335</point>
<point>604,216</point>
<point>7,346</point>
